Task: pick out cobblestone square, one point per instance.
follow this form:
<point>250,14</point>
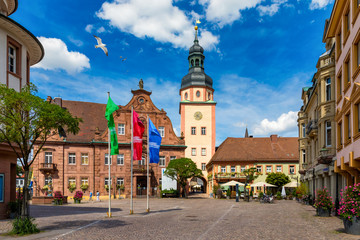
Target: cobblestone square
<point>193,218</point>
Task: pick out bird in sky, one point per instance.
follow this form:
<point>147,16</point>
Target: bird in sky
<point>101,45</point>
<point>123,59</point>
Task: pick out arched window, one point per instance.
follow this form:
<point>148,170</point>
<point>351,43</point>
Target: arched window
<point>198,93</point>
<point>186,96</point>
<point>192,62</point>
<point>209,95</point>
<point>196,62</point>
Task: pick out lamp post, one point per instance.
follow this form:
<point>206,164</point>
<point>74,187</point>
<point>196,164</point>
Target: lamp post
<point>313,184</point>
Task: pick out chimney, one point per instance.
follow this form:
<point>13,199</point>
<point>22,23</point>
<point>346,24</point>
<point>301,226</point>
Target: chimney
<point>274,138</point>
<point>58,101</point>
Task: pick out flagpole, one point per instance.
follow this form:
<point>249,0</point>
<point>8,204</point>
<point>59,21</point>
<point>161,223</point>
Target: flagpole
<point>147,176</point>
<point>132,160</point>
<point>109,161</point>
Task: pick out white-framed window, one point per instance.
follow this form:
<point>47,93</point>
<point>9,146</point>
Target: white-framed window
<point>223,169</point>
<point>193,130</point>
<point>120,159</point>
<point>242,169</point>
<point>71,180</point>
<point>107,159</point>
<point>328,133</point>
<point>303,130</point>
<point>193,152</point>
<point>203,166</point>
<point>303,155</point>
<point>278,169</point>
<point>328,89</point>
<point>268,169</point>
<point>106,181</point>
<point>172,157</point>
<point>84,159</point>
<point>2,187</point>
<point>120,181</point>
<point>48,157</point>
<point>72,158</point>
<point>20,183</point>
<point>258,169</point>
<point>162,131</point>
<point>12,59</point>
<point>142,161</point>
<point>203,130</point>
<point>292,169</point>
<point>203,151</point>
<point>162,161</point>
<point>48,180</point>
<point>84,181</point>
<point>121,129</point>
<point>232,168</point>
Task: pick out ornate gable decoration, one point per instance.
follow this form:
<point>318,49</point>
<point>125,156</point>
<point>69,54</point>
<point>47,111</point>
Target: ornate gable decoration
<point>141,101</point>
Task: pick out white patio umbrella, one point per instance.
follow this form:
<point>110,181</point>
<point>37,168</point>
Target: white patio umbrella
<point>283,193</point>
<point>292,184</point>
<point>262,184</point>
<point>233,183</point>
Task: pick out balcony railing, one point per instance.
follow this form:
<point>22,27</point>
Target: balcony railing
<point>141,169</point>
<point>47,167</point>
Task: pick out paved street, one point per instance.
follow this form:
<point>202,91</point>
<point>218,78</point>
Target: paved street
<point>193,218</point>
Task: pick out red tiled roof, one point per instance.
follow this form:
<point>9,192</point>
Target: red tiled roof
<point>257,149</point>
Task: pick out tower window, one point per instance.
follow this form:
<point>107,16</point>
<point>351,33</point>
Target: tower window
<point>198,93</point>
<point>186,96</point>
<point>209,96</point>
<point>202,63</point>
<point>196,62</point>
<point>192,63</point>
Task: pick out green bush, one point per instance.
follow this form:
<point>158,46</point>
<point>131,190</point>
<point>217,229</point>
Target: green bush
<point>228,192</point>
<point>261,195</point>
<point>278,195</point>
<point>22,226</point>
<point>171,191</point>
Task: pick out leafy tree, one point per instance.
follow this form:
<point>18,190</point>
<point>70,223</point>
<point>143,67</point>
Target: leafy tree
<point>26,119</point>
<point>251,174</point>
<point>278,179</point>
<point>181,170</point>
<point>19,170</point>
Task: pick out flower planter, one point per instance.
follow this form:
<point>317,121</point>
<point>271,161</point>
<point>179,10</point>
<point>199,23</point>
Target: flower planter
<point>321,212</point>
<point>352,227</point>
<point>77,201</point>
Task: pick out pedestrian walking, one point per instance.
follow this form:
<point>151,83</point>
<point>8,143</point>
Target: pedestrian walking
<point>97,196</point>
<point>90,199</point>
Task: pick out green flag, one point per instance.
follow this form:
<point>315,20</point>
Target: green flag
<point>110,108</point>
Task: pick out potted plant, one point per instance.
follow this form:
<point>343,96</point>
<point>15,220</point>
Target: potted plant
<point>228,193</point>
<point>78,196</point>
<point>106,187</point>
<point>72,187</point>
<point>349,209</point>
<point>58,198</point>
<point>84,187</point>
<point>278,195</point>
<point>323,203</point>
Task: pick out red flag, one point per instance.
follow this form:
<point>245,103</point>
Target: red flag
<point>138,128</point>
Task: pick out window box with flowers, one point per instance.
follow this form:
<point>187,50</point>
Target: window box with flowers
<point>45,188</point>
<point>78,196</point>
<point>323,203</point>
<point>84,187</point>
<point>72,187</point>
<point>107,187</point>
<point>349,209</point>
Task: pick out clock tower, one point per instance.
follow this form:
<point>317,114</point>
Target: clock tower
<point>197,110</point>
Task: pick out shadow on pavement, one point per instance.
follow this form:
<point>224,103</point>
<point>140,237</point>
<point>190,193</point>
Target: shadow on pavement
<point>81,223</point>
<point>38,211</point>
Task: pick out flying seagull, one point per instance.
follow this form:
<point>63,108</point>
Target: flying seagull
<point>101,45</point>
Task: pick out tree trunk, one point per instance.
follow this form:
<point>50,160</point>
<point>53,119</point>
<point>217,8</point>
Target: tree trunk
<point>24,205</point>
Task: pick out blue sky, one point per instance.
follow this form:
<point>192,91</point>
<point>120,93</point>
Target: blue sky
<point>259,53</point>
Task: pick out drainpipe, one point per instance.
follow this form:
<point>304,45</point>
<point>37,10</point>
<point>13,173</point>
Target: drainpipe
<point>94,169</point>
<point>63,170</point>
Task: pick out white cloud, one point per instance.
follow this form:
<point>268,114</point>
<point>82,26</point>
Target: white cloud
<point>286,122</point>
<point>100,30</point>
<point>159,49</point>
<point>77,42</point>
<point>89,28</point>
<point>57,56</point>
<point>319,4</point>
<point>159,20</point>
<point>225,12</point>
<point>268,10</point>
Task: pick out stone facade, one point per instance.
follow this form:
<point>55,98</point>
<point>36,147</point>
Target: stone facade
<point>344,26</point>
<point>317,125</point>
<point>81,158</point>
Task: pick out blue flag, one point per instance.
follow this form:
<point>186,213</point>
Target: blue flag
<point>154,143</point>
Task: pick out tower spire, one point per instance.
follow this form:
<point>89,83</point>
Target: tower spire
<point>246,133</point>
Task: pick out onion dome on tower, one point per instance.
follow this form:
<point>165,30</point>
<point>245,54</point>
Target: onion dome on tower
<point>196,75</point>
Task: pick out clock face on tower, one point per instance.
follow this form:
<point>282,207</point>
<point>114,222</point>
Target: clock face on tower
<point>198,116</point>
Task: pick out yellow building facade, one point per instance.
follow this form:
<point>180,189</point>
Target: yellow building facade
<point>316,124</point>
<point>344,26</point>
